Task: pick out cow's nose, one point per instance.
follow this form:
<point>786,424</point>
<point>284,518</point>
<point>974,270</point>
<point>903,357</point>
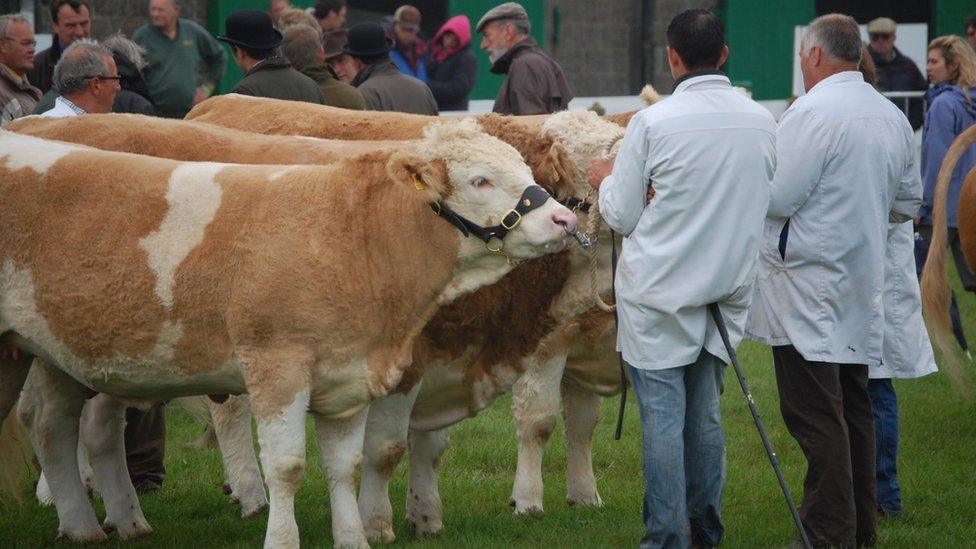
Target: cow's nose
<point>565,219</point>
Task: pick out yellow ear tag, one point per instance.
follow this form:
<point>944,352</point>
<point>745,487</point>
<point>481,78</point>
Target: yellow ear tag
<point>418,183</point>
<point>555,175</point>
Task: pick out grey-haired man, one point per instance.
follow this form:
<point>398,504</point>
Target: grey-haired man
<point>535,83</point>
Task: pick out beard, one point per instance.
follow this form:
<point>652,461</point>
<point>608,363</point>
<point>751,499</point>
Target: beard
<point>495,54</point>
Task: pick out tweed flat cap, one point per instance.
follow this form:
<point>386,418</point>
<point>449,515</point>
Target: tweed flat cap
<point>508,10</point>
<point>882,25</point>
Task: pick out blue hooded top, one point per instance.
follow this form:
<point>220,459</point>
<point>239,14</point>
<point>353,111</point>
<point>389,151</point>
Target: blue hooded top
<point>950,113</point>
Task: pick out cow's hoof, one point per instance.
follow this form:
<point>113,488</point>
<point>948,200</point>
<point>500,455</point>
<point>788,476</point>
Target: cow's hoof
<point>83,536</point>
<point>426,527</point>
<point>587,500</point>
<point>528,510</point>
<point>352,544</point>
<point>380,534</point>
<point>253,508</point>
<point>133,529</point>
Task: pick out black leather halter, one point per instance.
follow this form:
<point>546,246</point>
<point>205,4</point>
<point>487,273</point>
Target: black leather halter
<point>576,204</point>
<point>532,197</point>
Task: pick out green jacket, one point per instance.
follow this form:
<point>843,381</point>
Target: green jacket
<point>274,78</point>
<point>337,94</point>
<point>176,67</point>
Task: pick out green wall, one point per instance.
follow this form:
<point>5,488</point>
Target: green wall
<point>760,43</point>
<point>948,17</point>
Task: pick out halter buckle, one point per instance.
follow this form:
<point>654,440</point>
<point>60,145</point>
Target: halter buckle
<point>515,223</point>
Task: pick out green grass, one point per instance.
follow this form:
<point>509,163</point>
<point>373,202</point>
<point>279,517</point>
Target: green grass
<point>937,470</point>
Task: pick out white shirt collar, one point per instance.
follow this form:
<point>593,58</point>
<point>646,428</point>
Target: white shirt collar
<point>846,76</point>
<point>67,103</point>
<point>711,79</point>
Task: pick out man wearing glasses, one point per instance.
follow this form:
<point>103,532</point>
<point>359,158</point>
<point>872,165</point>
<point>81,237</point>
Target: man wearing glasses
<point>17,96</point>
<point>87,78</point>
<point>895,71</point>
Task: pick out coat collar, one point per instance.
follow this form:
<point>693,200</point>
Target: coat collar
<point>707,79</point>
<point>270,63</point>
<point>383,67</point>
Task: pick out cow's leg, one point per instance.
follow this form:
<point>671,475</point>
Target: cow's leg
<point>386,441</point>
<point>281,435</point>
<point>232,426</point>
<point>341,443</point>
<point>43,492</point>
<point>535,404</point>
<point>424,510</point>
<point>581,412</point>
<point>50,409</point>
<point>102,431</point>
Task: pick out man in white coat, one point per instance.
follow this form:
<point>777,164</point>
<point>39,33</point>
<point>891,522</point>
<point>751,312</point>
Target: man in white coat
<point>845,166</point>
<point>708,152</point>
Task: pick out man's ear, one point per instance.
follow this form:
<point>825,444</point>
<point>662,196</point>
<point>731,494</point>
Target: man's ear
<point>419,175</point>
<point>723,58</point>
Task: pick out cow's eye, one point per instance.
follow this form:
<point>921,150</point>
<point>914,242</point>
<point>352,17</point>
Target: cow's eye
<point>480,183</point>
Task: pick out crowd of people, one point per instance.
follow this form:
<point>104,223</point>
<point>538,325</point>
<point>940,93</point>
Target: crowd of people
<point>718,202</point>
<point>173,63</point>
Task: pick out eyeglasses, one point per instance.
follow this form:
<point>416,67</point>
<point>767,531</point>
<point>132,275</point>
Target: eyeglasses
<point>877,36</point>
<point>100,77</point>
<point>25,43</point>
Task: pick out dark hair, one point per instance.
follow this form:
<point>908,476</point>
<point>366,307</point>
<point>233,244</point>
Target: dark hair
<point>698,37</point>
<point>73,4</point>
<point>970,21</point>
<point>323,8</point>
<point>256,54</point>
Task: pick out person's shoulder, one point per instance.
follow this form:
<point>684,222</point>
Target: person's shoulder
<point>141,33</point>
<point>192,26</point>
<point>42,56</point>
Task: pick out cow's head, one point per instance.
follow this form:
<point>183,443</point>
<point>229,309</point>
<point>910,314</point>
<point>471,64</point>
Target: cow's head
<point>584,135</point>
<point>482,180</point>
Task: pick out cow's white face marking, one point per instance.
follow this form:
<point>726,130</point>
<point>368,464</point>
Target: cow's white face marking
<point>585,135</point>
<point>488,177</point>
<point>22,151</point>
<point>194,198</point>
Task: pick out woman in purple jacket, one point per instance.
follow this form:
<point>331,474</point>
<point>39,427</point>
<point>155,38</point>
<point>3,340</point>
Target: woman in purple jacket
<point>951,67</point>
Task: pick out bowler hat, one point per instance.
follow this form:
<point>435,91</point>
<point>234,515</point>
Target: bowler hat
<point>367,39</point>
<point>251,29</point>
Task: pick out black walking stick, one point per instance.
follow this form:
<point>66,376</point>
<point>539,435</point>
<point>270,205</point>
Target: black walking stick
<point>720,323</point>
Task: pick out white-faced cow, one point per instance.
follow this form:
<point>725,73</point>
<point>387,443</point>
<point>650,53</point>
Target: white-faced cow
<point>305,286</point>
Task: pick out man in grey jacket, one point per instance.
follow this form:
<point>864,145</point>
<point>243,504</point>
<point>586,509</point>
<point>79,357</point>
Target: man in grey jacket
<point>710,153</point>
<point>534,83</point>
<point>383,86</point>
<point>845,168</point>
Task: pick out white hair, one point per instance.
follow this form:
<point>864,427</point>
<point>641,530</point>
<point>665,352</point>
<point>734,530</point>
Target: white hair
<point>836,35</point>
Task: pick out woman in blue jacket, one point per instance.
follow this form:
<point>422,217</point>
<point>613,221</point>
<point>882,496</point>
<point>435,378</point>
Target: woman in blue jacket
<point>951,67</point>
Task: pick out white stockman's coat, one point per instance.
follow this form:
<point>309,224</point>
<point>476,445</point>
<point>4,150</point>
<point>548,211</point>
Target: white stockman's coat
<point>845,166</point>
<point>907,350</point>
<point>709,153</point>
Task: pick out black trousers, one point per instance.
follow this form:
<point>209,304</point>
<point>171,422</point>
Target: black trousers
<point>145,444</point>
<point>827,409</point>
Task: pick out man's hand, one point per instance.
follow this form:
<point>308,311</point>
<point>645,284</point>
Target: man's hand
<point>599,168</point>
<point>650,193</point>
<point>203,92</point>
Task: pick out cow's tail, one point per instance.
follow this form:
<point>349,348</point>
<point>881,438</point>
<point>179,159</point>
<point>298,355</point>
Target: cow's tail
<point>649,95</point>
<point>16,457</point>
<point>936,294</point>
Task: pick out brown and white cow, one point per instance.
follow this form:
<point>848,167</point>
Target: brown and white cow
<point>455,389</point>
<point>306,286</point>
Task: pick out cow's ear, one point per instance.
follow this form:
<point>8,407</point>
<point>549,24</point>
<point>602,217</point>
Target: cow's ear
<point>419,175</point>
<point>562,172</point>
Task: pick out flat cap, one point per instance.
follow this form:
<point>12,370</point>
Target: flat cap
<point>882,25</point>
<point>508,10</point>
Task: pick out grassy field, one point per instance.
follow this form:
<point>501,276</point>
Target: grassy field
<point>937,473</point>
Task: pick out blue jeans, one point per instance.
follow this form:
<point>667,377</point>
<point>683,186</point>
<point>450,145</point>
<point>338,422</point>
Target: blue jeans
<point>884,404</point>
<point>684,452</point>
